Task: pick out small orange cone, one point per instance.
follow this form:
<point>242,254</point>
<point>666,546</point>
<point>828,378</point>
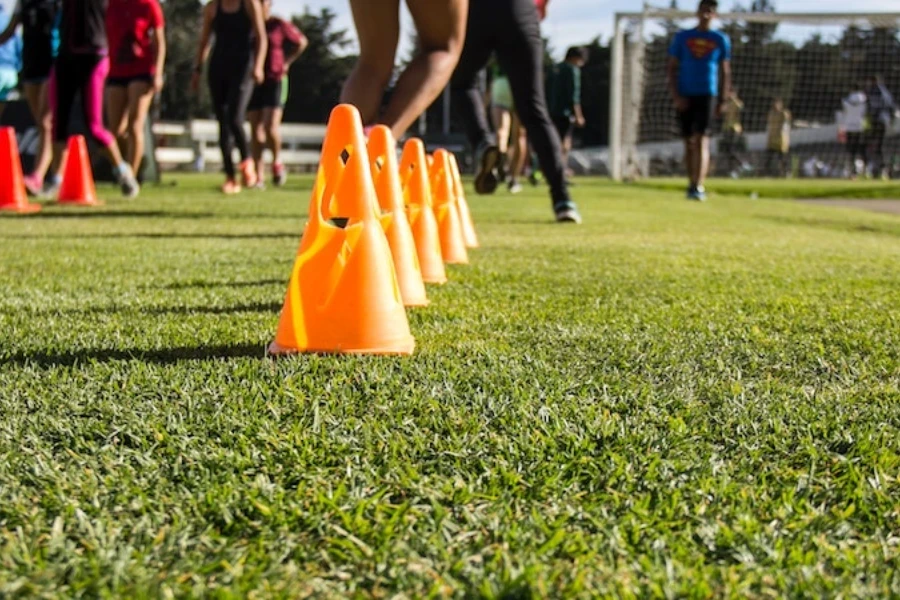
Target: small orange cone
<point>12,185</point>
<point>383,160</point>
<point>343,295</point>
<point>453,245</point>
<point>77,187</point>
<point>465,217</point>
<point>417,198</point>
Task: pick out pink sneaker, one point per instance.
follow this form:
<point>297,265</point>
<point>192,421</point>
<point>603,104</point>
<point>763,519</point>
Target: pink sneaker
<point>33,185</point>
<point>279,175</point>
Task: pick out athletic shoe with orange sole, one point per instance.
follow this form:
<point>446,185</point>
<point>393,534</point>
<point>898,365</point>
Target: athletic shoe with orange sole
<point>231,187</point>
<point>249,177</point>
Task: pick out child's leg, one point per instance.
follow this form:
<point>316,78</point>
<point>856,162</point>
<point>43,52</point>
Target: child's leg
<point>441,27</point>
<point>378,29</point>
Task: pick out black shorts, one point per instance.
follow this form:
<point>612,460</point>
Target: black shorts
<point>564,126</point>
<point>36,65</point>
<point>266,95</point>
<point>126,81</point>
<point>697,119</point>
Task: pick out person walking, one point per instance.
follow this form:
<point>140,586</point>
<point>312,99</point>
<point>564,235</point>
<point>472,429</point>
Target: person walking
<point>732,141</point>
<point>285,43</point>
<point>695,58</point>
<point>40,43</point>
<point>778,139</point>
<point>81,67</point>
<point>511,29</point>
<point>236,65</point>
<point>564,98</point>
<point>853,126</point>
<point>137,51</point>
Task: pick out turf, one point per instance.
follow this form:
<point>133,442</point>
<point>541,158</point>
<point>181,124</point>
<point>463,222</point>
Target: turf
<point>672,400</point>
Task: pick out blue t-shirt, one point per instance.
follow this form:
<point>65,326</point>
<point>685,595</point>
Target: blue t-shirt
<point>699,54</point>
<point>11,51</point>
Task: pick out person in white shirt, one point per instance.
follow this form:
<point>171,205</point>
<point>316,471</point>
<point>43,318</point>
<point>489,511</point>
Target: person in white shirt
<point>853,123</point>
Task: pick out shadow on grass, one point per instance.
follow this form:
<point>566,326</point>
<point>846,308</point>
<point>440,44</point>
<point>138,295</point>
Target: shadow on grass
<point>205,285</point>
<point>52,212</point>
<point>263,235</point>
<point>834,225</point>
<point>255,307</point>
<point>161,356</point>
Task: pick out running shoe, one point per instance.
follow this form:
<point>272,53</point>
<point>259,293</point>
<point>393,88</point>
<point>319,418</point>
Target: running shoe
<point>129,184</point>
<point>487,157</point>
<point>279,174</point>
<point>249,176</point>
<point>33,185</point>
<point>231,187</point>
<point>567,213</point>
<point>514,186</point>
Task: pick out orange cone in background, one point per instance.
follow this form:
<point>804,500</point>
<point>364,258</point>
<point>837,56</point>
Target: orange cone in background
<point>417,198</point>
<point>78,179</point>
<point>12,186</point>
<point>465,217</point>
<point>383,159</point>
<point>443,194</point>
<point>343,295</point>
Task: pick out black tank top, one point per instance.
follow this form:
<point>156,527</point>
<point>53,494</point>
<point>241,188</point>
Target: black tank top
<point>234,33</point>
<point>83,28</point>
<point>39,18</point>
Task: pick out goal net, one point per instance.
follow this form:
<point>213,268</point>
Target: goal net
<point>820,66</point>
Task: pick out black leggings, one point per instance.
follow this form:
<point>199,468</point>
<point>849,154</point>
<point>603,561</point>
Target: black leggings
<point>511,29</point>
<point>231,85</point>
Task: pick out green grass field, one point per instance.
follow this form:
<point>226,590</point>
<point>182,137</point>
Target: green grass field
<point>672,400</point>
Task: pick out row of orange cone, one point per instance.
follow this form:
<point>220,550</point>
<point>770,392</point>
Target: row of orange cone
<point>377,232</point>
<point>77,186</point>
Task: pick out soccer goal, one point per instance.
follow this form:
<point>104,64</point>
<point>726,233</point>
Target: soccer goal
<point>816,65</point>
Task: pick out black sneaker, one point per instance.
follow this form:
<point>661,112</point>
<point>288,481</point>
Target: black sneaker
<point>487,157</point>
<point>567,213</point>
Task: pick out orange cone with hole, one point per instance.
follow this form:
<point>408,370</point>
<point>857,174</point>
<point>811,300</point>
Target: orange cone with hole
<point>383,160</point>
<point>465,217</point>
<point>12,186</point>
<point>77,187</point>
<point>417,199</point>
<point>453,245</point>
<point>343,295</point>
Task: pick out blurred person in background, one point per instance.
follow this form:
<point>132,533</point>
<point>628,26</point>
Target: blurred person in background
<point>266,108</point>
<point>564,98</point>
<point>137,53</point>
<point>853,126</point>
<point>778,139</point>
<point>10,61</point>
<point>882,110</point>
<point>40,43</point>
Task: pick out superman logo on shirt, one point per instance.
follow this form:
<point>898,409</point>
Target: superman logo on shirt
<point>701,47</point>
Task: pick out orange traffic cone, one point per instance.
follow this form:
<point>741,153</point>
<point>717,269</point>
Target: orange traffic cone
<point>383,160</point>
<point>417,197</point>
<point>465,217</point>
<point>78,179</point>
<point>12,186</point>
<point>343,295</point>
<point>453,246</point>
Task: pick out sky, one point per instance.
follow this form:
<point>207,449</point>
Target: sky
<point>571,22</point>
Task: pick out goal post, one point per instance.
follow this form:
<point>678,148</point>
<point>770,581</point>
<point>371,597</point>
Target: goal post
<point>812,62</point>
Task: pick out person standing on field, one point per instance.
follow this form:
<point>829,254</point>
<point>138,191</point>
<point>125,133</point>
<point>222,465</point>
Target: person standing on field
<point>853,126</point>
<point>40,44</point>
<point>564,98</point>
<point>731,142</point>
<point>137,53</point>
<point>236,66</point>
<point>695,58</point>
<point>778,139</point>
<point>286,44</point>
<point>881,107</point>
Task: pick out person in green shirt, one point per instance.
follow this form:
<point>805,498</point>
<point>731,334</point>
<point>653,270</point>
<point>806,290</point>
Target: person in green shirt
<point>564,97</point>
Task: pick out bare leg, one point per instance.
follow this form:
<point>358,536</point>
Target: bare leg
<point>257,139</point>
<point>272,124</point>
<point>140,97</point>
<point>502,123</point>
<point>378,29</point>
<point>36,96</point>
<point>702,159</point>
<point>690,160</point>
<point>441,27</point>
<point>519,149</point>
<point>117,110</point>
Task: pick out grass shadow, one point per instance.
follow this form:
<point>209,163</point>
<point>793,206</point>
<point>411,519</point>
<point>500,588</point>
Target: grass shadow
<point>254,307</point>
<point>833,225</point>
<point>161,356</point>
<point>295,235</point>
<point>206,285</point>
